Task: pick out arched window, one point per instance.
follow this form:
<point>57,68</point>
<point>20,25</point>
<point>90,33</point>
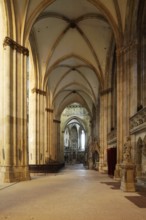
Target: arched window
<point>83,140</point>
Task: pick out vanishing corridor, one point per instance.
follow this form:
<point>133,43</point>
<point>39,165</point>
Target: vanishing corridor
<point>72,194</point>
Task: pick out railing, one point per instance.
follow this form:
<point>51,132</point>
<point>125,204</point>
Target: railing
<point>46,168</point>
<point>138,119</point>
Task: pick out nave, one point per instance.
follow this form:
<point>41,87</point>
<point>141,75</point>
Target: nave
<point>74,193</point>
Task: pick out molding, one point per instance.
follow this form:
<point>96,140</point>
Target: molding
<point>112,137</point>
<point>112,141</point>
<point>38,91</point>
<point>15,46</point>
<point>56,121</point>
<point>138,129</point>
<point>138,121</point>
<point>126,48</point>
<point>105,91</point>
<point>49,110</point>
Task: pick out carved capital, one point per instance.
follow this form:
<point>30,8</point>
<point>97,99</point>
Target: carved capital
<point>38,91</point>
<point>56,121</point>
<point>49,110</point>
<point>15,46</point>
<point>126,48</point>
<point>105,91</point>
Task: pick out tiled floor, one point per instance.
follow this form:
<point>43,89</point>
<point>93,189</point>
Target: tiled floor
<point>72,194</point>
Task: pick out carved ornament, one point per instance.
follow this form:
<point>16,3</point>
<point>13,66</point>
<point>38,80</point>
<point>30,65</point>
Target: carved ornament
<point>126,48</point>
<point>105,91</point>
<point>38,91</point>
<point>56,121</point>
<point>49,110</point>
<point>15,46</point>
<point>138,119</point>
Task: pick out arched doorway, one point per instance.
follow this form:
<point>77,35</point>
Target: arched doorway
<point>76,133</point>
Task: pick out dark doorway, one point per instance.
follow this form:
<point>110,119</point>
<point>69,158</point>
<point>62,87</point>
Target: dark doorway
<point>111,160</point>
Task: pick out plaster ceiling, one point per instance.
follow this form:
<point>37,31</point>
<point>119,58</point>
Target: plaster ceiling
<point>71,40</point>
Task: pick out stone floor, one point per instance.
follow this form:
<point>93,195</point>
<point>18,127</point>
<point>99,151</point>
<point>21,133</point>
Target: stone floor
<point>72,194</point>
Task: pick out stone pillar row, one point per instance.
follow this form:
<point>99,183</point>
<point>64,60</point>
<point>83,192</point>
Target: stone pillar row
<point>44,131</point>
<point>14,152</point>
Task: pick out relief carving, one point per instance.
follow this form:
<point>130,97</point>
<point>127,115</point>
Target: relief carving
<point>138,119</point>
<point>127,151</point>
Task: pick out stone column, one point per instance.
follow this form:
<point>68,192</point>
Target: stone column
<point>126,98</point>
<point>62,146</point>
<point>49,118</point>
<point>120,109</point>
<point>15,148</point>
<point>104,96</point>
<point>32,127</point>
<point>56,139</point>
<point>6,163</point>
<point>42,128</point>
<point>37,127</point>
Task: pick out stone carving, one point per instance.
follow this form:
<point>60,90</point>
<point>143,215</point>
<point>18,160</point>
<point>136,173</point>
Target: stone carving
<point>49,110</point>
<point>126,48</point>
<point>106,91</point>
<point>127,151</point>
<point>138,119</point>
<point>38,91</point>
<point>15,46</point>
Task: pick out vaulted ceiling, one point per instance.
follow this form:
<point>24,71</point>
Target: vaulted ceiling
<point>72,42</point>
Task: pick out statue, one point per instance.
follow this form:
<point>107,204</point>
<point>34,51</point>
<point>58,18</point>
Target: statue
<point>127,151</point>
<point>127,169</point>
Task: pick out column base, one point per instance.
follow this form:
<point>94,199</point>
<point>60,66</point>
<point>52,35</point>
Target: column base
<point>127,187</point>
<point>10,174</point>
<point>90,164</point>
<point>103,168</point>
<point>128,178</point>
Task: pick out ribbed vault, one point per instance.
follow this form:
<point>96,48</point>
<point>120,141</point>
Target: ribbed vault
<point>71,46</point>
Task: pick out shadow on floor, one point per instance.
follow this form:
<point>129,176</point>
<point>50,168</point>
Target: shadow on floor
<point>114,185</point>
<point>140,199</point>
